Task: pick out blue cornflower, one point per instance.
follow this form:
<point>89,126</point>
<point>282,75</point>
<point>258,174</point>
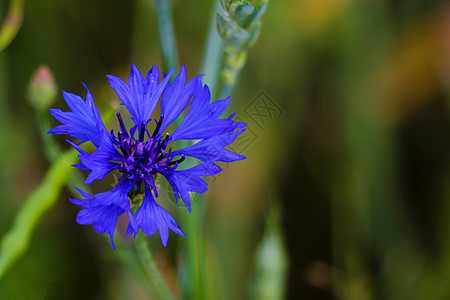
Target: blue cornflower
<point>139,156</point>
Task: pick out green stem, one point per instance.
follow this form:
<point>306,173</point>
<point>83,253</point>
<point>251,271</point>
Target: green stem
<point>51,149</point>
<point>151,269</point>
<point>212,52</point>
<point>226,90</point>
<point>167,34</point>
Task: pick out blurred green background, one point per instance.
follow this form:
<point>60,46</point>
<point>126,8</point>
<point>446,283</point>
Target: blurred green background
<point>345,193</point>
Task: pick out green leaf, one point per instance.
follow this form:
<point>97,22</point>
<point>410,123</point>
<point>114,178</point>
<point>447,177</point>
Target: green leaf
<point>15,242</point>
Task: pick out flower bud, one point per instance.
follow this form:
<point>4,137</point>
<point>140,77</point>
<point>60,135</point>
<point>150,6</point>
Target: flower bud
<point>42,88</point>
<point>239,25</point>
<point>231,32</point>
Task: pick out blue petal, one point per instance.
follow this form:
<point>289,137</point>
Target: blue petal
<point>104,218</point>
<point>176,97</point>
<point>200,101</point>
<point>82,202</point>
<point>140,96</point>
<point>204,129</point>
<point>201,121</point>
<point>136,86</point>
<point>83,122</point>
<point>212,149</point>
<point>117,196</point>
<point>81,151</point>
<point>217,108</point>
<point>189,180</point>
<point>100,162</point>
<point>151,217</point>
<point>83,193</point>
<point>103,209</point>
<point>153,90</point>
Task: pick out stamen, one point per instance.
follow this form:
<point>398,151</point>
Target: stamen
<point>122,125</point>
<point>141,134</point>
<point>159,158</point>
<point>179,161</point>
<point>172,168</point>
<point>158,126</point>
<point>163,144</point>
<point>166,141</point>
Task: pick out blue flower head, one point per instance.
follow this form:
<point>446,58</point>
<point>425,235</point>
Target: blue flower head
<point>144,152</point>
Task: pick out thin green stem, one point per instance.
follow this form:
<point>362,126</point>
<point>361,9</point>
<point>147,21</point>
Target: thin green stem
<point>126,254</point>
<point>212,53</point>
<point>151,269</point>
<point>167,34</point>
<point>51,149</point>
<point>226,90</point>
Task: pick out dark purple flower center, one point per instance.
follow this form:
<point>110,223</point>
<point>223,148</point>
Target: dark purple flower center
<point>143,159</point>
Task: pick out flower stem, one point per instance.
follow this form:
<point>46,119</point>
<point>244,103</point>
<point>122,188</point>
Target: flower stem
<point>167,34</point>
<point>195,252</point>
<point>226,90</point>
<point>212,53</point>
<point>151,269</point>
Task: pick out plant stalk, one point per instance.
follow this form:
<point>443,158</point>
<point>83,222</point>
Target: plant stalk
<point>167,34</point>
<point>153,274</point>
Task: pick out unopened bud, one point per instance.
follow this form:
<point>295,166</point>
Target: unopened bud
<point>42,88</point>
<point>231,32</point>
<point>239,25</point>
<point>241,12</point>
